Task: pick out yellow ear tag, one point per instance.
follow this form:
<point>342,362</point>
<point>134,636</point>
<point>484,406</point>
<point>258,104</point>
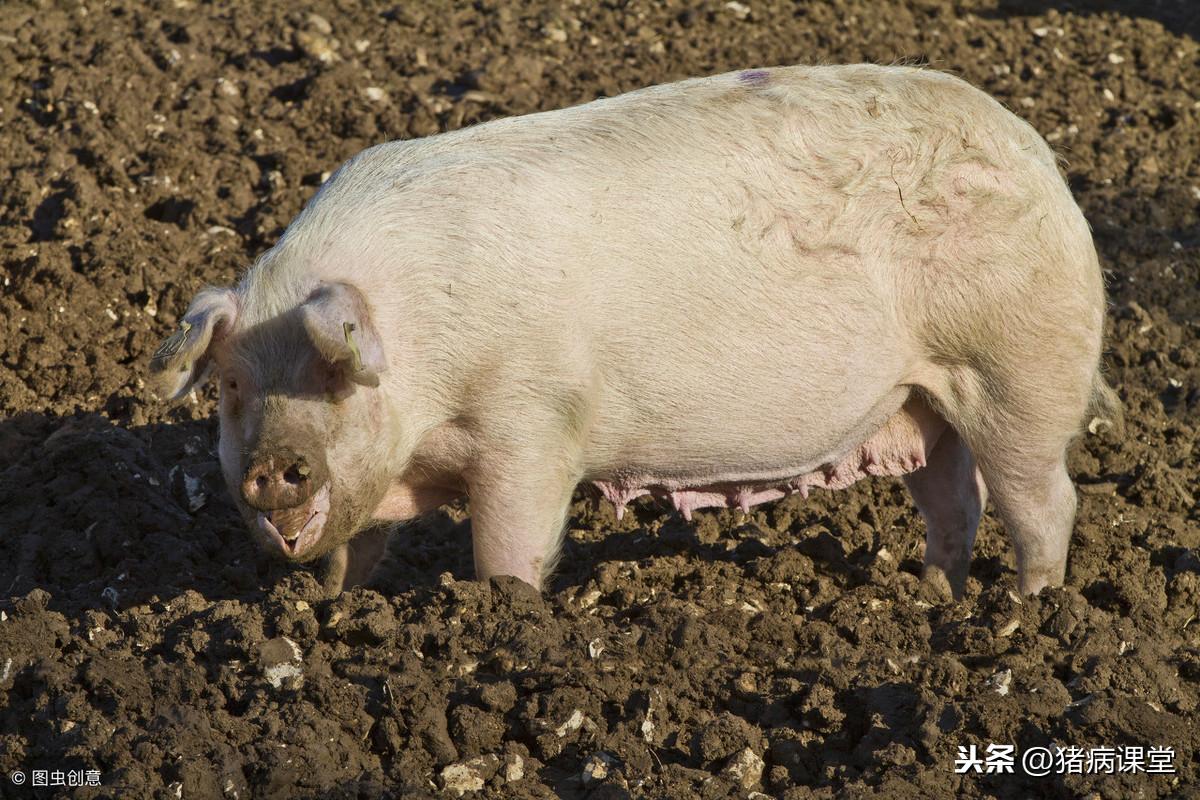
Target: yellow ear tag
<point>348,329</point>
<point>172,345</point>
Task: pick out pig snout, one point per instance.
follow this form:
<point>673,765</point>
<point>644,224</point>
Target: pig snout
<point>290,492</point>
<point>280,480</point>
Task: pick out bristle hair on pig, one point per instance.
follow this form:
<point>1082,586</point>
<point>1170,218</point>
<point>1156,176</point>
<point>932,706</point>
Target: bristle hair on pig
<point>717,292</point>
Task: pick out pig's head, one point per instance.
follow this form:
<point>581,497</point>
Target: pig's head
<point>302,446</point>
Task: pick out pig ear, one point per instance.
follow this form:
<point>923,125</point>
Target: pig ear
<point>339,323</point>
<point>185,358</point>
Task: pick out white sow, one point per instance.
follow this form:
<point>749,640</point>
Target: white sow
<point>719,292</point>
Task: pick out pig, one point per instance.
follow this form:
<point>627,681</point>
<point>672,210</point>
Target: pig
<point>717,292</point>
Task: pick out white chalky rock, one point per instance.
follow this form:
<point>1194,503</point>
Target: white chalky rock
<point>470,775</point>
<point>745,768</point>
<point>597,767</point>
<point>572,724</point>
<point>1000,682</point>
<point>514,768</point>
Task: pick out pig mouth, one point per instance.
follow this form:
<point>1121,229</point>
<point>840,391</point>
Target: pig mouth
<point>296,530</point>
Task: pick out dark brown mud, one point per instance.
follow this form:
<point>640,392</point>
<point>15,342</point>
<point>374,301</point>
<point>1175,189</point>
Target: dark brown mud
<point>148,149</point>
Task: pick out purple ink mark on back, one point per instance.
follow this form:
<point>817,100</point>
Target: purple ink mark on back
<point>754,77</point>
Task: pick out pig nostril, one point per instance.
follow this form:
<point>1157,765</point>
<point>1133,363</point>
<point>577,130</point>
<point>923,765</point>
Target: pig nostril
<point>261,481</point>
<point>295,474</point>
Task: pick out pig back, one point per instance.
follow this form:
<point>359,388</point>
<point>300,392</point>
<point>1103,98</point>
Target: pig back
<point>754,262</point>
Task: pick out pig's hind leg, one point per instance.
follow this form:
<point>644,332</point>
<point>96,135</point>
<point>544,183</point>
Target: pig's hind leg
<point>1018,429</point>
<point>1035,498</point>
<point>950,494</point>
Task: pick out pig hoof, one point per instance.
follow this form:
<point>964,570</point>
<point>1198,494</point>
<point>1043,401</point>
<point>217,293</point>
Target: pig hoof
<point>935,586</point>
<point>333,571</point>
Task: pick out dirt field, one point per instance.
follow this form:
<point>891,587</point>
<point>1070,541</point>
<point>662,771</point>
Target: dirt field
<point>148,149</point>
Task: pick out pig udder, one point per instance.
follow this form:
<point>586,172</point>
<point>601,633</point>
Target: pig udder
<point>900,446</point>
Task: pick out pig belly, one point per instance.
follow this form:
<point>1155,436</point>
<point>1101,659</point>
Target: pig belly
<point>900,446</point>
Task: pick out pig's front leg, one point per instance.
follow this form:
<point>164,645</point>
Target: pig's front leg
<point>352,563</point>
<point>518,510</point>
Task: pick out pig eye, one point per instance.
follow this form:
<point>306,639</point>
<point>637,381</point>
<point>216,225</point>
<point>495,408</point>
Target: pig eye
<point>337,386</point>
<point>231,385</point>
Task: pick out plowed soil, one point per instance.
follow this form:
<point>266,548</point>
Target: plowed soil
<point>148,149</point>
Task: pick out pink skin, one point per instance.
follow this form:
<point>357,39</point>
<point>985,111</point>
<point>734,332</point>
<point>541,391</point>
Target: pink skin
<point>312,403</point>
<point>406,499</point>
<point>748,331</point>
<point>901,447</point>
